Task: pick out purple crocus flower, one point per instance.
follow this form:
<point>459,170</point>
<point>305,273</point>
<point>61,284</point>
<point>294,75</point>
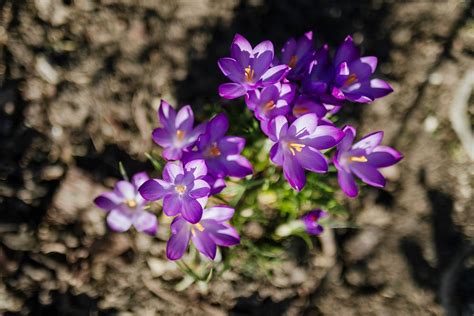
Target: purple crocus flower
<point>249,68</point>
<point>177,134</point>
<point>353,75</point>
<point>210,232</point>
<point>362,160</point>
<point>182,189</point>
<point>311,221</point>
<point>304,105</point>
<point>271,101</point>
<point>221,153</point>
<point>298,146</point>
<point>126,206</point>
<point>297,55</point>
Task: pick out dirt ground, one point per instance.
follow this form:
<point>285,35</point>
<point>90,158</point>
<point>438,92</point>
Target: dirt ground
<point>80,81</point>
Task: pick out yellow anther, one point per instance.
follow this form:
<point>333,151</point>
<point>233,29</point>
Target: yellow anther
<point>248,73</point>
<point>180,188</point>
<point>131,203</point>
<point>300,110</point>
<point>295,147</point>
<point>199,227</point>
<point>293,61</point>
<point>350,80</point>
<point>180,134</point>
<point>269,105</point>
<point>358,159</point>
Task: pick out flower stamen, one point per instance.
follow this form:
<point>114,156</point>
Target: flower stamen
<point>293,61</point>
<point>300,110</point>
<point>350,80</point>
<point>269,105</point>
<point>249,73</point>
<point>358,159</point>
<point>215,151</point>
<point>131,203</point>
<point>180,134</point>
<point>180,188</point>
<point>295,147</point>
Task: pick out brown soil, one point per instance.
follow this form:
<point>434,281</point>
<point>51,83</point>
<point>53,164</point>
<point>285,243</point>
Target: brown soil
<point>80,81</point>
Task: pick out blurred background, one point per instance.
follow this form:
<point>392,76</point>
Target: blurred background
<point>80,82</point>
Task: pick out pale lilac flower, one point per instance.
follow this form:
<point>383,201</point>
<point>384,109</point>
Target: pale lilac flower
<point>125,206</point>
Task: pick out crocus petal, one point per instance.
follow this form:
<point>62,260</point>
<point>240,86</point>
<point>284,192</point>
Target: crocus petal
<point>288,50</point>
<point>347,183</point>
<point>197,167</point>
<point>166,115</point>
<point>241,50</point>
<point>369,142</point>
<point>346,142</point>
<point>368,174</point>
<point>324,137</point>
<point>312,160</point>
<point>277,128</point>
<point>305,125</point>
<point>154,189</point>
<point>200,189</point>
<point>384,156</point>
<point>218,126</point>
<point>172,153</point>
<point>346,52</point>
<point>139,178</point>
<point>172,204</point>
<point>276,154</point>
<point>274,74</point>
<point>231,90</point>
<point>363,67</point>
<point>191,210</point>
<point>220,213</point>
<point>374,89</point>
<point>162,137</point>
<point>146,222</point>
<point>119,221</point>
<point>238,166</point>
<point>179,240</point>
<point>232,69</point>
<point>171,170</point>
<point>222,234</point>
<point>262,62</point>
<point>293,172</point>
<point>125,189</point>
<point>204,244</point>
<point>231,145</point>
<point>185,119</point>
<point>108,200</point>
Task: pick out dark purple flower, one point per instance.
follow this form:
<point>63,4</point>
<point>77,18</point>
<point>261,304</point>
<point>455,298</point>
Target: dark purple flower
<point>298,146</point>
<point>126,206</point>
<point>248,68</point>
<point>217,184</point>
<point>297,55</point>
<point>221,153</point>
<point>210,232</point>
<point>183,190</point>
<point>320,74</point>
<point>362,160</point>
<point>271,101</point>
<point>177,134</point>
<point>311,221</point>
<point>304,105</point>
<point>353,75</point>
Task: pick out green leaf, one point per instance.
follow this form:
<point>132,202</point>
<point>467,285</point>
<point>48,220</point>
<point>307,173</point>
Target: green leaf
<point>123,172</point>
<point>156,164</point>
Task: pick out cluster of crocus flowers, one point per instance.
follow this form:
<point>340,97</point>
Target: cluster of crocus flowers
<point>199,158</point>
<point>294,96</point>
